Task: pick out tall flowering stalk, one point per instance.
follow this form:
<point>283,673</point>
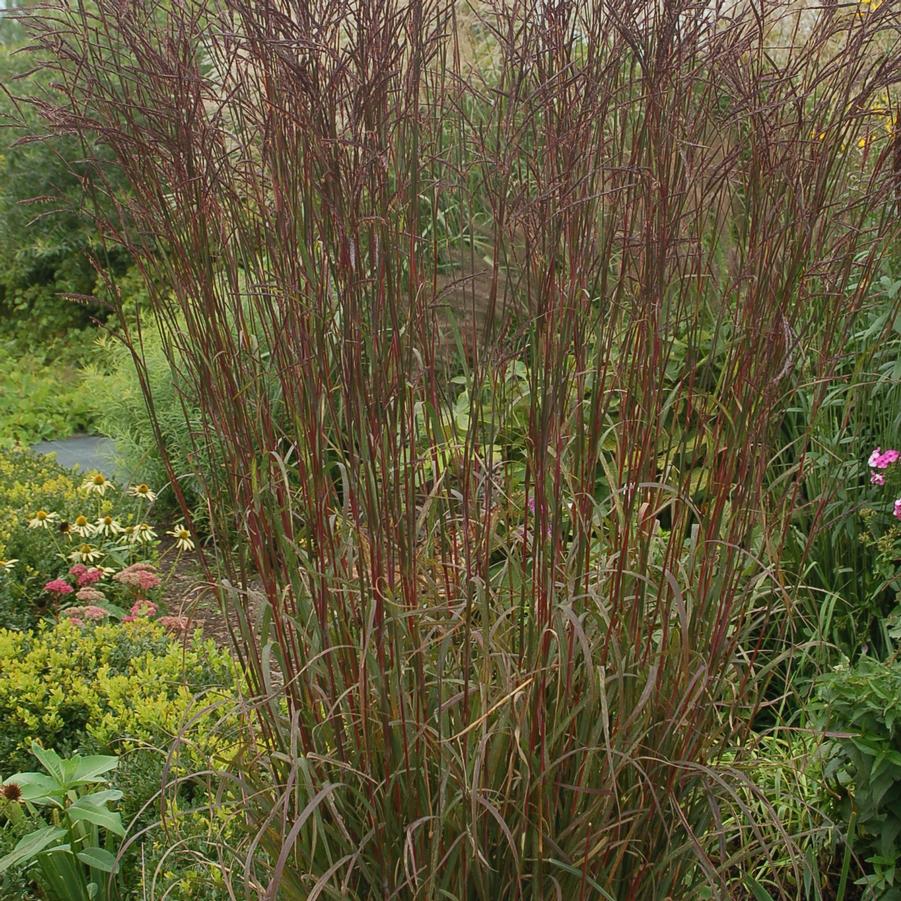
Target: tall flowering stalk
<point>496,655</point>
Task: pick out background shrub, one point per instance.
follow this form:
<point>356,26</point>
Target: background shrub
<point>862,702</point>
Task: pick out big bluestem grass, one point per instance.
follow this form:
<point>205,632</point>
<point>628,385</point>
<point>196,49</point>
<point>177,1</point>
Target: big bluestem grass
<point>495,655</point>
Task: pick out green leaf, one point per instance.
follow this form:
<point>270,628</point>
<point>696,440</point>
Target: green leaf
<point>30,845</point>
<point>50,760</point>
<point>83,810</point>
<point>98,859</point>
<point>89,769</point>
<point>758,891</point>
<point>36,787</point>
<point>104,796</point>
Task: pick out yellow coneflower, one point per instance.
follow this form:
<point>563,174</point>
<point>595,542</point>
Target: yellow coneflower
<point>6,565</point>
<point>142,532</point>
<point>143,491</point>
<point>85,553</point>
<point>182,536</point>
<point>42,519</point>
<point>107,525</point>
<point>81,525</point>
<point>97,483</point>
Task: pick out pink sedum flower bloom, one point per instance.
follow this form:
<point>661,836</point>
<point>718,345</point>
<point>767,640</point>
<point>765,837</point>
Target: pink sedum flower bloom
<point>138,575</point>
<point>143,607</point>
<point>78,570</point>
<point>58,586</point>
<point>89,577</point>
<point>176,623</point>
<point>92,612</point>
<point>90,595</point>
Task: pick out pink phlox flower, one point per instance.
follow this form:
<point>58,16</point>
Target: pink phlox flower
<point>58,586</point>
<point>897,509</point>
<point>881,459</point>
<point>877,478</point>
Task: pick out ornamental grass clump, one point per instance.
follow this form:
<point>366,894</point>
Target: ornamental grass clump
<point>491,317</point>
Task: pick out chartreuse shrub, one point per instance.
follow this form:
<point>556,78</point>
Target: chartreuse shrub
<point>160,704</point>
<point>101,688</point>
<point>862,704</point>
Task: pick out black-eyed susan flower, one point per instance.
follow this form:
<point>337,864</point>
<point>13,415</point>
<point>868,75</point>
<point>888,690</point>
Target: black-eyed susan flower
<point>97,483</point>
<point>41,519</point>
<point>182,536</point>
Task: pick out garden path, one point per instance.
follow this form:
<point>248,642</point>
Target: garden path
<point>88,452</point>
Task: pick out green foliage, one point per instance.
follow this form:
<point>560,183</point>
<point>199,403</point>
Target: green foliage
<point>112,382</point>
<point>846,587</point>
<point>48,244</point>
<point>105,687</point>
<point>41,396</point>
<point>74,844</point>
<point>864,764</point>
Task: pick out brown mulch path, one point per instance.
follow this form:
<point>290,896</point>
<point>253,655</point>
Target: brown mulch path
<point>187,593</point>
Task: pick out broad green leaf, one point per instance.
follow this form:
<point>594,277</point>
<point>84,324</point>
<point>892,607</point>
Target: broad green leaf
<point>89,769</point>
<point>36,786</point>
<point>30,845</point>
<point>98,859</point>
<point>50,760</point>
<point>99,816</point>
<point>103,797</point>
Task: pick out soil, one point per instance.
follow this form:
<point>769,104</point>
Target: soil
<point>187,593</point>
